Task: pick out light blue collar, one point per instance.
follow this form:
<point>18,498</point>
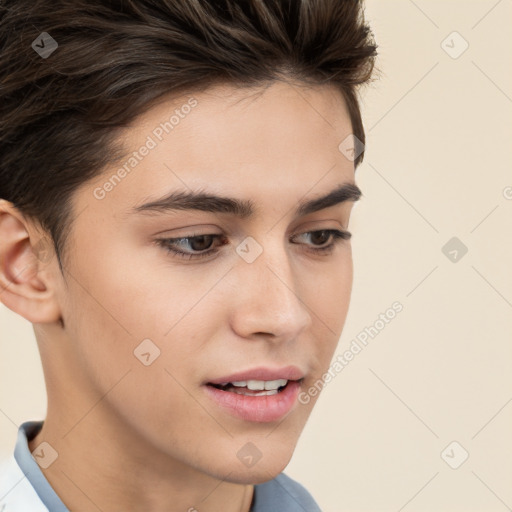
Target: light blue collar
<point>31,469</point>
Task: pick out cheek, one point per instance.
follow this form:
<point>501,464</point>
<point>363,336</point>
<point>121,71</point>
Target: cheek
<point>126,362</point>
<point>330,290</point>
<point>329,304</point>
<point>109,317</point>
<point>127,314</point>
<point>102,345</point>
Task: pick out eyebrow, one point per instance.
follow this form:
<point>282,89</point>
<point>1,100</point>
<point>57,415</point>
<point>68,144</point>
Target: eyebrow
<point>203,201</point>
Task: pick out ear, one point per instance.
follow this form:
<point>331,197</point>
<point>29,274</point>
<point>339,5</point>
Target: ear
<point>27,261</point>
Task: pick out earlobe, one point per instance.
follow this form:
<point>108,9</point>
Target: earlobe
<point>26,286</point>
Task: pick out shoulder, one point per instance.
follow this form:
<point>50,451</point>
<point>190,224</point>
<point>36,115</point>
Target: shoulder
<point>16,492</point>
<point>283,494</point>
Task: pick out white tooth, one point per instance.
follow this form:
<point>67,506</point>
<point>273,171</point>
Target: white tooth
<point>261,393</point>
<point>256,385</point>
<point>275,384</point>
<point>240,383</point>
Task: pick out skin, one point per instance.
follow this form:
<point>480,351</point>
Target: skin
<point>134,437</point>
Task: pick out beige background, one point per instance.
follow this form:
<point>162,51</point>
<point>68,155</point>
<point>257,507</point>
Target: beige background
<point>438,160</point>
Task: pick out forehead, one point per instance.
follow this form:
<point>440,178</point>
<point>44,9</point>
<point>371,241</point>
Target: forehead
<point>260,142</point>
<point>277,112</point>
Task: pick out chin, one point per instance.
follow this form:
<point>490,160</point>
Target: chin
<point>257,475</point>
<point>259,472</point>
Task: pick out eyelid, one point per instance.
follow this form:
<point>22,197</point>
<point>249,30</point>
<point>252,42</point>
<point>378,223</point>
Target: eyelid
<point>202,229</point>
<point>189,231</point>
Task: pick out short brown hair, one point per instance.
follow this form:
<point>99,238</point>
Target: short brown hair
<point>59,116</point>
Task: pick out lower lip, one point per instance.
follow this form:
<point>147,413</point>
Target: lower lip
<point>262,409</point>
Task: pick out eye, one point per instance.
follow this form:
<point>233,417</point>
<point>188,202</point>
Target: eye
<point>336,235</point>
<point>201,245</point>
<point>196,242</point>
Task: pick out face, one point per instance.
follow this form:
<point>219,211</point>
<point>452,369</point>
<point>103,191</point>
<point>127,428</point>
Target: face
<point>165,306</point>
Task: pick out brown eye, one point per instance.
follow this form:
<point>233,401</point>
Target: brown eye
<point>199,245</point>
<point>320,238</point>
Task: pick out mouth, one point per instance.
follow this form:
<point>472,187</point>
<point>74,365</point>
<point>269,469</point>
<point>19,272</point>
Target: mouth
<point>255,387</point>
<point>259,395</point>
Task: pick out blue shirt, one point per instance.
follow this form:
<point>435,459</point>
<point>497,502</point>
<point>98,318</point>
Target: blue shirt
<point>24,488</point>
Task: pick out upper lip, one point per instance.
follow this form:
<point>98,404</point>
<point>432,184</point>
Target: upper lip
<point>261,373</point>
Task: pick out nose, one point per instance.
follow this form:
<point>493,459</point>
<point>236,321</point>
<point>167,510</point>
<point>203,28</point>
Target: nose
<point>270,300</point>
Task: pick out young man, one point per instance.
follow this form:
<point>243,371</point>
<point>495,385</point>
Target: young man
<point>176,183</point>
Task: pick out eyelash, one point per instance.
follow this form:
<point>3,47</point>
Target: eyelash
<point>166,243</point>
